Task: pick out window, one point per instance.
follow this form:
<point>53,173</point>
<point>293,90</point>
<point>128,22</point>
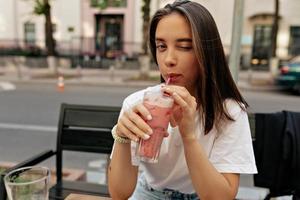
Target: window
<point>29,33</point>
<point>108,3</point>
<point>261,48</point>
<point>294,44</point>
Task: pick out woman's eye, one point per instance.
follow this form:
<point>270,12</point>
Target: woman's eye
<point>186,47</point>
<point>160,47</point>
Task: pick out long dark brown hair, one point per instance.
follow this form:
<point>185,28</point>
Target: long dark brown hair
<point>215,83</point>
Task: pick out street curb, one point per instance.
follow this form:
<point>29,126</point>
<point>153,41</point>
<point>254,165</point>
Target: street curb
<point>88,83</point>
<point>122,83</point>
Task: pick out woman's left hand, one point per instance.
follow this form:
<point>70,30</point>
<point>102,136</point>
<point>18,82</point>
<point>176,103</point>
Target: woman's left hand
<point>184,110</point>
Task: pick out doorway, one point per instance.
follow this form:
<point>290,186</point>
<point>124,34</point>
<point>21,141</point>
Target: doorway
<point>261,46</point>
<point>109,35</point>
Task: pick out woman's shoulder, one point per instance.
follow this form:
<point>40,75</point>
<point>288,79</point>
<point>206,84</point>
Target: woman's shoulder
<point>234,108</point>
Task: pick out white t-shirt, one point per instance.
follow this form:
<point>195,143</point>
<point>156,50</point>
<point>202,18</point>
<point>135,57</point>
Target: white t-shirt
<point>230,150</point>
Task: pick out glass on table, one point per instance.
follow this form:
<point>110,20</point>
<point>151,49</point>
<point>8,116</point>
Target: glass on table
<point>28,183</point>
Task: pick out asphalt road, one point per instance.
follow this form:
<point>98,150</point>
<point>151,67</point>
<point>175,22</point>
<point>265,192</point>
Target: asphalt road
<point>29,114</point>
<point>272,101</point>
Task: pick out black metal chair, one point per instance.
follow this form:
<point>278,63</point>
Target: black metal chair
<point>273,152</point>
<point>81,128</point>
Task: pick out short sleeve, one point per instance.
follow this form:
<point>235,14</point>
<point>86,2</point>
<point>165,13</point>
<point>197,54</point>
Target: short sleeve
<point>232,150</point>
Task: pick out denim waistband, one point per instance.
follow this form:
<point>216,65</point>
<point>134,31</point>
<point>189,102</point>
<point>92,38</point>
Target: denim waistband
<point>169,194</point>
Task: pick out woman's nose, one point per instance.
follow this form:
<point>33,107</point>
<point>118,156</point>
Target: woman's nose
<point>170,59</point>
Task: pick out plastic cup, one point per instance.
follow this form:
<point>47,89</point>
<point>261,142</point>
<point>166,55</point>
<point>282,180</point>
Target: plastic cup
<point>159,105</point>
<point>28,183</point>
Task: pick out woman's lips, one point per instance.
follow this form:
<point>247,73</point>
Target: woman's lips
<point>174,78</point>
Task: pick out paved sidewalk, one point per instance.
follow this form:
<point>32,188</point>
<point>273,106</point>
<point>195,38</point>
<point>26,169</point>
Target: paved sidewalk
<point>104,77</point>
<point>255,80</point>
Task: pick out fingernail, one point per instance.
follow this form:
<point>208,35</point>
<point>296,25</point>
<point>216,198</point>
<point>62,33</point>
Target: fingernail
<point>150,131</point>
<point>146,137</point>
<point>149,117</point>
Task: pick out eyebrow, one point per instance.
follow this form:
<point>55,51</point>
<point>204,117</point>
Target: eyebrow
<point>177,40</point>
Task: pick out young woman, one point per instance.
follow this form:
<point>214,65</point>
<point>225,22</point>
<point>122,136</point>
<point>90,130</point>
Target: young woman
<point>208,143</point>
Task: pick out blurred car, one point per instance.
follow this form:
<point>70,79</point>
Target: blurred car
<point>289,77</point>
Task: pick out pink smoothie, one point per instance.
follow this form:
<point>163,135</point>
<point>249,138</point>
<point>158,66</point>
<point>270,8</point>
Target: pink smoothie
<point>159,124</point>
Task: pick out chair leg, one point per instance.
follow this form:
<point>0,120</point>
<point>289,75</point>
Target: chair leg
<point>107,168</point>
<point>3,194</point>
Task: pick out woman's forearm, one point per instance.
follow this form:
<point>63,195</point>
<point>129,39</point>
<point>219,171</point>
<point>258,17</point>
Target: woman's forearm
<point>207,181</point>
<point>121,170</point>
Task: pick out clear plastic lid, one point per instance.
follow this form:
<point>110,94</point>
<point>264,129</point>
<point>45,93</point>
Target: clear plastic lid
<point>155,96</point>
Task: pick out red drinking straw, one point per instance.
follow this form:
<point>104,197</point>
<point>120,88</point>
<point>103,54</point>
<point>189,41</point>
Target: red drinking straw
<point>167,83</point>
<point>168,80</point>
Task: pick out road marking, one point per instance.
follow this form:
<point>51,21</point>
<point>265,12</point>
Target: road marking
<point>7,86</point>
<point>28,127</point>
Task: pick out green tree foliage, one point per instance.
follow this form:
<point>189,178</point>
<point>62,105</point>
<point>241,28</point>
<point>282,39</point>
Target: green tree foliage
<point>102,4</point>
<point>39,8</point>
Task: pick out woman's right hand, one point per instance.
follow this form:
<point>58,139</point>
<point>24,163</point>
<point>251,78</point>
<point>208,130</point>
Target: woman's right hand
<point>132,125</point>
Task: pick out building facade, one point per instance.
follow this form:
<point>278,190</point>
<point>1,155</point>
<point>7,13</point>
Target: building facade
<point>82,27</point>
<point>19,26</point>
<point>114,30</point>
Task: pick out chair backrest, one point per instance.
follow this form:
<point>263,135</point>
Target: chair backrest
<point>275,148</point>
<point>85,128</point>
<point>251,118</point>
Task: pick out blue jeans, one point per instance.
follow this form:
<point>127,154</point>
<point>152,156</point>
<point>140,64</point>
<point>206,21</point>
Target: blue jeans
<point>145,192</point>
